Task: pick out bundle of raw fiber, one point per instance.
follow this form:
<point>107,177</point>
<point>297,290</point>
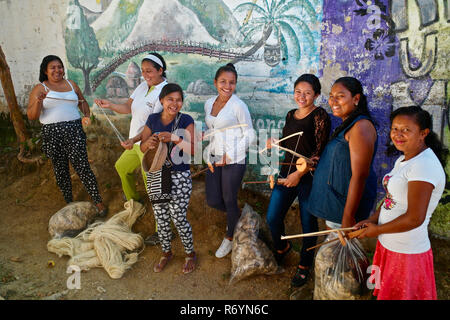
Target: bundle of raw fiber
<point>72,219</point>
<point>111,244</point>
<point>250,255</point>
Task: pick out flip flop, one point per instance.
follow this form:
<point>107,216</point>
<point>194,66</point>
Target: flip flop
<point>162,263</point>
<point>186,264</point>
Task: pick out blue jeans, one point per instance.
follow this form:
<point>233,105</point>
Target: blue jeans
<point>222,188</point>
<point>281,199</point>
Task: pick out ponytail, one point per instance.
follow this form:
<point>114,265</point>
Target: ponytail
<point>227,68</point>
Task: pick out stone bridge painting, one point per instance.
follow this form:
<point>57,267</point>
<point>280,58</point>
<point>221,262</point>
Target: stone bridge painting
<point>398,49</point>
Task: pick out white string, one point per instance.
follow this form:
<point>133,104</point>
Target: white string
<point>119,136</point>
<point>71,100</point>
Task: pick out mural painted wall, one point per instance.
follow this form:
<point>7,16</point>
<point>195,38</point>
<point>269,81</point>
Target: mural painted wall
<point>399,49</point>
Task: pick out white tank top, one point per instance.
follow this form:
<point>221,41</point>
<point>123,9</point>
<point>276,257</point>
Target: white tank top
<point>54,111</point>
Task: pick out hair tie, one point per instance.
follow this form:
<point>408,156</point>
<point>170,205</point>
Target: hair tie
<point>154,59</point>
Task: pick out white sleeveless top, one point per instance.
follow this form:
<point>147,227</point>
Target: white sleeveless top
<point>54,111</point>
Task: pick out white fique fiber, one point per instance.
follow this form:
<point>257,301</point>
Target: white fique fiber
<point>111,244</point>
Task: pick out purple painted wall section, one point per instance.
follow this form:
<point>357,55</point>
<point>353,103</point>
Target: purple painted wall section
<point>361,40</point>
<point>344,35</point>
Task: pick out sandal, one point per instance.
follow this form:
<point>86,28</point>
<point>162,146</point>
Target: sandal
<point>300,277</point>
<point>162,262</point>
<point>189,264</point>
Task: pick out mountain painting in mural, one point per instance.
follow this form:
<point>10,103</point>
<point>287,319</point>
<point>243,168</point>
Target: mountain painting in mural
<point>168,20</point>
<point>114,25</point>
<point>217,18</point>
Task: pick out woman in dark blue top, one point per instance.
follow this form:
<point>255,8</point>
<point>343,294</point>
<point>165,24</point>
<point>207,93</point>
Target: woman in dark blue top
<point>344,184</point>
<point>176,129</point>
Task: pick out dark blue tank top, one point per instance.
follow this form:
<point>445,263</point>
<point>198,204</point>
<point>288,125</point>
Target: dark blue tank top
<point>332,178</point>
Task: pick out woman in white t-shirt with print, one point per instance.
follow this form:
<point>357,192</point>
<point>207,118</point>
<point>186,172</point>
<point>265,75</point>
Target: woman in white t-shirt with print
<point>413,189</point>
<point>142,102</point>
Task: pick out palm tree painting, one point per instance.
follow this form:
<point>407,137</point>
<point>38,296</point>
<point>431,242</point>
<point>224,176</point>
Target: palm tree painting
<point>277,24</point>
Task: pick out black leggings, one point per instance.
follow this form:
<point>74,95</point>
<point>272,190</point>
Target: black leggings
<point>63,142</point>
<point>222,188</point>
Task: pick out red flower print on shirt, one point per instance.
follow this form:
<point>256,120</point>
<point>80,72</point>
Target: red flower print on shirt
<point>388,202</point>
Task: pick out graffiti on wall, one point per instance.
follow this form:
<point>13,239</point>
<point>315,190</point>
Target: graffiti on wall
<point>399,49</point>
<point>423,30</point>
<point>271,42</point>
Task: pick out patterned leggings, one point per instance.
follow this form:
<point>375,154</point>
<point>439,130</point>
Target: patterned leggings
<point>63,142</point>
<point>176,209</point>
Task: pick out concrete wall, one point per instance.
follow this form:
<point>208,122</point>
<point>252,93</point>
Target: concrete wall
<point>399,49</point>
<point>29,31</point>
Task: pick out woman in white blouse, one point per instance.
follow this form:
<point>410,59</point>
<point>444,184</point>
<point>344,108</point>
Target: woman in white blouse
<point>227,149</point>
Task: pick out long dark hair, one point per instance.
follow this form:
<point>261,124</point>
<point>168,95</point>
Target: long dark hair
<point>229,67</point>
<point>424,120</point>
<point>354,86</point>
<point>155,65</point>
<point>311,79</point>
<point>43,68</point>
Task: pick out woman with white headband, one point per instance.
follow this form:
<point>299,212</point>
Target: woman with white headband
<point>142,102</point>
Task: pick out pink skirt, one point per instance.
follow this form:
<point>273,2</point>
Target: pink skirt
<point>403,276</point>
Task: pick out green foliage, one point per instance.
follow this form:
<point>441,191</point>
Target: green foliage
<point>76,76</point>
<point>189,69</point>
<point>123,23</point>
<point>440,220</point>
<point>130,7</point>
<point>82,47</point>
<point>7,133</point>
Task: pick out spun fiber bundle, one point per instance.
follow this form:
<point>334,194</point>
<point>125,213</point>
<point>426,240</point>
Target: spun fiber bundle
<point>111,244</point>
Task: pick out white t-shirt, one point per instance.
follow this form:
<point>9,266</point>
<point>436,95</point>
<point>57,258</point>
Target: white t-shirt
<point>234,142</point>
<point>144,105</point>
<point>423,167</point>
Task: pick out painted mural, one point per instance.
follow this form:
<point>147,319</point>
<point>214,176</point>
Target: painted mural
<point>399,49</point>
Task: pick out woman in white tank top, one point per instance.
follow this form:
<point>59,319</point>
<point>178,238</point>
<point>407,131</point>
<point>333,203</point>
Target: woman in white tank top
<point>57,103</point>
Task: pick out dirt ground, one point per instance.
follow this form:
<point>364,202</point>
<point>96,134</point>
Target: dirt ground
<point>29,197</point>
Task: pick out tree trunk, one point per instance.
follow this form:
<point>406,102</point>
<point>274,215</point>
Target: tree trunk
<point>259,44</point>
<point>10,95</point>
<point>87,85</point>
